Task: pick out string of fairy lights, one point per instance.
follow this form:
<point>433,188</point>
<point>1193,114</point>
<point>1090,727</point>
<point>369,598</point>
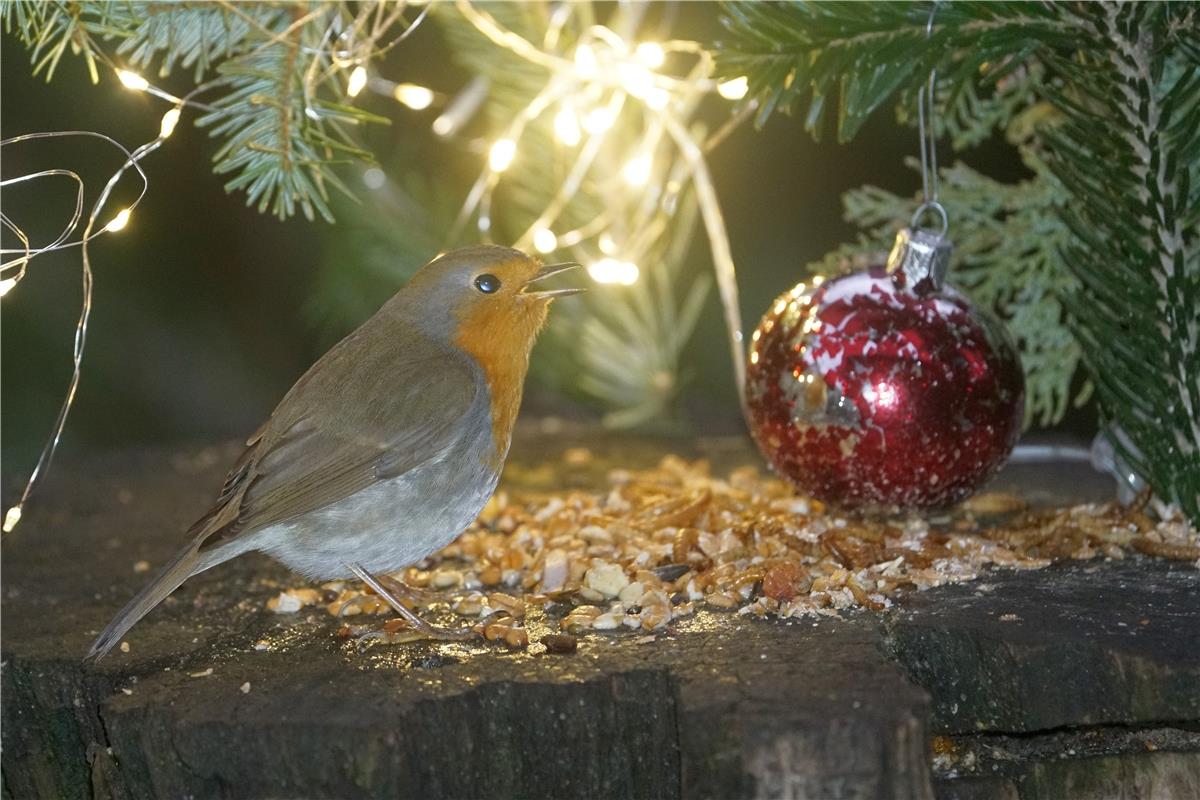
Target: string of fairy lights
<point>15,266</point>
<point>601,80</point>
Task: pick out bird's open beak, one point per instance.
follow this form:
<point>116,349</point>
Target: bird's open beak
<point>546,272</point>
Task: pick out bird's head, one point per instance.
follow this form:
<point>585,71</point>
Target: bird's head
<point>485,298</point>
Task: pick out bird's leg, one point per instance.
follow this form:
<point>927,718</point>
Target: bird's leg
<point>402,590</point>
<point>398,589</point>
<point>409,616</point>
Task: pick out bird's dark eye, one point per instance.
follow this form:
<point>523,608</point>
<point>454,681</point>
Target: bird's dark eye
<point>487,283</point>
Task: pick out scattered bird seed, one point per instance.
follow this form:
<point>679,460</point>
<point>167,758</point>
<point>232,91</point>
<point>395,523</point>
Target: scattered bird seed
<point>560,643</point>
<point>660,543</point>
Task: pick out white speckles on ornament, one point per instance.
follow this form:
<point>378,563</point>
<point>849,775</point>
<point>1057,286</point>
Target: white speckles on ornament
<point>915,379</point>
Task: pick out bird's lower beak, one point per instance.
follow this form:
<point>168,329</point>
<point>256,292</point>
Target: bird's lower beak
<point>546,272</point>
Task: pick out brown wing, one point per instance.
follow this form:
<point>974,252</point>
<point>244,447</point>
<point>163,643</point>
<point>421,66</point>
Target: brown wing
<point>383,401</point>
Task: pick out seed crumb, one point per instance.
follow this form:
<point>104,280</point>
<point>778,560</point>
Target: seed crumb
<point>245,688</point>
<point>674,541</point>
<point>203,674</point>
<point>141,566</point>
<point>124,647</point>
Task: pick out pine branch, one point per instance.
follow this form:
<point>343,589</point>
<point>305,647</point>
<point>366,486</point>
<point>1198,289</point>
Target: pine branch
<point>1117,113</point>
<point>191,35</point>
<point>277,101</point>
<point>1128,155</point>
<point>49,29</point>
<point>279,154</point>
<point>802,53</point>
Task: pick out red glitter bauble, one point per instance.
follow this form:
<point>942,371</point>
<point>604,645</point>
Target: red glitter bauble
<point>865,392</point>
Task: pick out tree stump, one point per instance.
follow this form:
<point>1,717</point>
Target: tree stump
<point>1078,680</point>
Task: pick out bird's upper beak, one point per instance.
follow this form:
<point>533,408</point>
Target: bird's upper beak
<point>546,272</point>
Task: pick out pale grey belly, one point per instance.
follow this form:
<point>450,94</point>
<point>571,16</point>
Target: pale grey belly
<point>390,525</point>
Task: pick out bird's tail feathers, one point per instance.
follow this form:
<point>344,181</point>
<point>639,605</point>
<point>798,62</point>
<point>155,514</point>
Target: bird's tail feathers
<point>179,569</point>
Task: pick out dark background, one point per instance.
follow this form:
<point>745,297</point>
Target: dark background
<point>199,321</point>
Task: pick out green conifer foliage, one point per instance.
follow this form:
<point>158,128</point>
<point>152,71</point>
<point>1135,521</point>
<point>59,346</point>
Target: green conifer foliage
<point>1114,141</point>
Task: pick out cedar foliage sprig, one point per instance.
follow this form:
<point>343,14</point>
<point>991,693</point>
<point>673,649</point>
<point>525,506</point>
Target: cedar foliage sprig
<point>1122,141</point>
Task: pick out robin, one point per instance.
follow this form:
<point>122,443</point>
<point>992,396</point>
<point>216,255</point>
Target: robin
<point>390,445</point>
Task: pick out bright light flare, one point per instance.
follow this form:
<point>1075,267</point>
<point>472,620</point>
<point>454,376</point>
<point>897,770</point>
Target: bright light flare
<point>12,518</point>
<point>613,270</point>
<point>119,221</point>
<point>734,89</point>
<point>358,81</point>
<point>418,98</point>
<point>501,156</point>
<point>6,285</point>
<point>881,394</point>
<point>657,98</point>
<point>585,61</point>
<point>169,121</point>
<point>636,79</point>
<point>566,127</point>
<point>132,80</point>
<point>598,120</point>
<point>544,240</point>
<point>637,171</point>
<point>651,54</point>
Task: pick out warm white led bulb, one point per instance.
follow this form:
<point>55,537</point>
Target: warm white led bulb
<point>566,127</point>
<point>734,89</point>
<point>502,154</point>
<point>12,518</point>
<point>418,98</point>
<point>635,79</point>
<point>598,120</point>
<point>132,80</point>
<point>657,98</point>
<point>169,121</point>
<point>585,61</point>
<point>358,81</point>
<point>637,171</point>
<point>651,54</point>
<point>119,221</point>
<point>613,270</point>
<point>544,240</point>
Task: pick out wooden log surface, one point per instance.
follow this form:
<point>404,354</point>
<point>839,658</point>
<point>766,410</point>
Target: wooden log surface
<point>1076,680</point>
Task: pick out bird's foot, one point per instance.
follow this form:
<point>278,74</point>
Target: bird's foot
<point>414,621</point>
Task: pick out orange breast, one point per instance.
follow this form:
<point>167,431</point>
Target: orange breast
<point>499,336</point>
